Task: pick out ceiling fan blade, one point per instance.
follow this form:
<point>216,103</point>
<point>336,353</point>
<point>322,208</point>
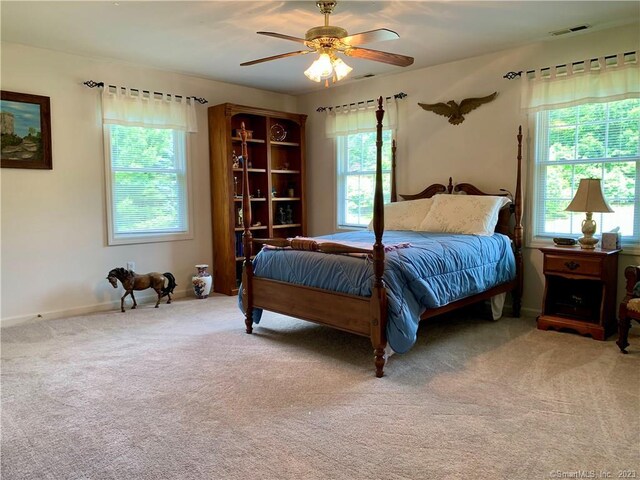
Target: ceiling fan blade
<point>378,56</point>
<point>275,57</point>
<point>283,36</point>
<point>379,35</point>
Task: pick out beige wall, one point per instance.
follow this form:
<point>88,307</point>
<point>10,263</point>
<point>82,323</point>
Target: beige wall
<point>54,252</point>
<point>481,150</point>
<point>53,239</point>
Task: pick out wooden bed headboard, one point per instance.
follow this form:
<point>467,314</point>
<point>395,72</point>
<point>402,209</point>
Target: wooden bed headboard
<point>504,225</point>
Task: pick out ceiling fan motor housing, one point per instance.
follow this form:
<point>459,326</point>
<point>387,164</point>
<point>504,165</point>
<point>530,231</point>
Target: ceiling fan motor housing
<point>325,31</point>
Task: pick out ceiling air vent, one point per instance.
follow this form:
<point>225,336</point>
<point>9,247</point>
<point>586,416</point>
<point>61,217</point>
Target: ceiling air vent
<point>564,31</point>
<point>368,75</point>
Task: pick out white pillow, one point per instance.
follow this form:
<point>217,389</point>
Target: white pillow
<point>405,215</point>
<point>471,214</point>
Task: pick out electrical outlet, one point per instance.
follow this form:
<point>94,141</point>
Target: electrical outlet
<point>131,266</point>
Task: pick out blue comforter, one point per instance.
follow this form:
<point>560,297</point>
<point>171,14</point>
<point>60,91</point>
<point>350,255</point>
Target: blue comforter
<point>435,270</point>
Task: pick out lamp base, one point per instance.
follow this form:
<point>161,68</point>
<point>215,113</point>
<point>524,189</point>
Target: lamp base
<point>588,243</point>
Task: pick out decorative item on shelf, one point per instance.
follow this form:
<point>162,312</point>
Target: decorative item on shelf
<point>278,133</point>
<point>257,224</point>
<point>285,166</point>
<point>289,214</point>
<point>589,198</point>
<point>239,217</point>
<point>249,133</point>
<point>235,186</point>
<point>274,192</point>
<point>258,193</point>
<point>235,161</point>
<point>202,281</point>
<point>291,191</point>
<point>282,216</point>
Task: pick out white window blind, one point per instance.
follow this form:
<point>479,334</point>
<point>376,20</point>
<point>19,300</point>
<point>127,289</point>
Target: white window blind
<point>356,156</point>
<point>149,187</point>
<point>593,140</point>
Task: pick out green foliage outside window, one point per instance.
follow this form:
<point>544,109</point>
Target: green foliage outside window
<point>148,187</point>
<point>358,173</point>
<point>591,141</point>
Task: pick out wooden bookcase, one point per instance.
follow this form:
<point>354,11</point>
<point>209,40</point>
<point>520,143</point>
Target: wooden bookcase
<point>276,182</point>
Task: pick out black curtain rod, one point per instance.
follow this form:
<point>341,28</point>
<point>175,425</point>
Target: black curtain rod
<point>512,75</point>
<point>397,96</point>
<point>92,84</point>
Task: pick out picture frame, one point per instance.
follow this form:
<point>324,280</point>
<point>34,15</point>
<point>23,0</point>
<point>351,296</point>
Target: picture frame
<point>25,122</point>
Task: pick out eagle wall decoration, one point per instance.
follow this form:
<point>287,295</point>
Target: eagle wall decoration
<point>455,111</point>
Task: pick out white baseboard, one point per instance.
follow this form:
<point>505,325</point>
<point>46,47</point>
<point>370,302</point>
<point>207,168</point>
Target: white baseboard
<point>113,305</point>
<point>84,310</point>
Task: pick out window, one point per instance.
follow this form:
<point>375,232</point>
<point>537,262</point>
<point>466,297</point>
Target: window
<point>147,184</point>
<point>599,140</point>
<point>356,176</point>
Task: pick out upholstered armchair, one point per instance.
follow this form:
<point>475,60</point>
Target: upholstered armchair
<point>630,306</point>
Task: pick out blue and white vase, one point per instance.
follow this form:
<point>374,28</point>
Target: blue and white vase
<point>202,282</point>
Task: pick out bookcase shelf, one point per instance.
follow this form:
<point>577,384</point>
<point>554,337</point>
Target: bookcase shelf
<point>276,172</point>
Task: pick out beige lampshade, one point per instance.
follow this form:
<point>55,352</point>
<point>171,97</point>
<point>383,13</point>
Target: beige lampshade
<point>589,197</point>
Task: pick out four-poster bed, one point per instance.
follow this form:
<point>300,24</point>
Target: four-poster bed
<point>368,312</point>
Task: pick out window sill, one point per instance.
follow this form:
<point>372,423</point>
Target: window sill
<point>350,228</point>
<point>628,249</point>
<point>151,238</point>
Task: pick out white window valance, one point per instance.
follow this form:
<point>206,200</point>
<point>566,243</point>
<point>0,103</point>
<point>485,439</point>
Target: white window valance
<point>360,117</point>
<point>586,82</point>
<point>130,107</point>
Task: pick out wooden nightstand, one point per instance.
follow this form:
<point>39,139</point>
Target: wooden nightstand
<point>580,290</point>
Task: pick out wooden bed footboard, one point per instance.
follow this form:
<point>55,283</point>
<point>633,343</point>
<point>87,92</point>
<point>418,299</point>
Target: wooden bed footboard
<point>365,316</point>
<point>338,310</point>
<point>361,315</point>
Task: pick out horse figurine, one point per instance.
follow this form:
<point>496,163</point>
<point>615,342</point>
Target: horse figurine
<point>163,284</point>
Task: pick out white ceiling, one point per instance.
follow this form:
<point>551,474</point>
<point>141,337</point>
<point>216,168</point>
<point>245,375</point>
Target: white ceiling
<point>211,38</point>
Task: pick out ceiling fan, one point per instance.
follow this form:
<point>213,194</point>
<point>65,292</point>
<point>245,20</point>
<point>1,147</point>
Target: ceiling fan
<point>328,40</point>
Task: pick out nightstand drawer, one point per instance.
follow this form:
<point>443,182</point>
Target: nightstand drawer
<point>577,265</point>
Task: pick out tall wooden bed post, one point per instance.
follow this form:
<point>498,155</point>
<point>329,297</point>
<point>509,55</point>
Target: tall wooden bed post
<point>517,232</point>
<point>247,240</point>
<point>394,191</point>
<point>379,292</point>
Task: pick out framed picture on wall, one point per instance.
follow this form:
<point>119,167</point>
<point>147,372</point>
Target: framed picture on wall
<point>25,121</point>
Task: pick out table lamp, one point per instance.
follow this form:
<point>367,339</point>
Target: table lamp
<point>589,199</point>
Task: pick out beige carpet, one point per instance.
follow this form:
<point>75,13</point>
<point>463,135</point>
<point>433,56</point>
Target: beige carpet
<point>181,392</point>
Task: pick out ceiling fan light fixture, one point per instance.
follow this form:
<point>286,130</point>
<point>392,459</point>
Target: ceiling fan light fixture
<point>327,65</point>
<point>311,74</point>
<point>340,68</point>
<point>321,68</point>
